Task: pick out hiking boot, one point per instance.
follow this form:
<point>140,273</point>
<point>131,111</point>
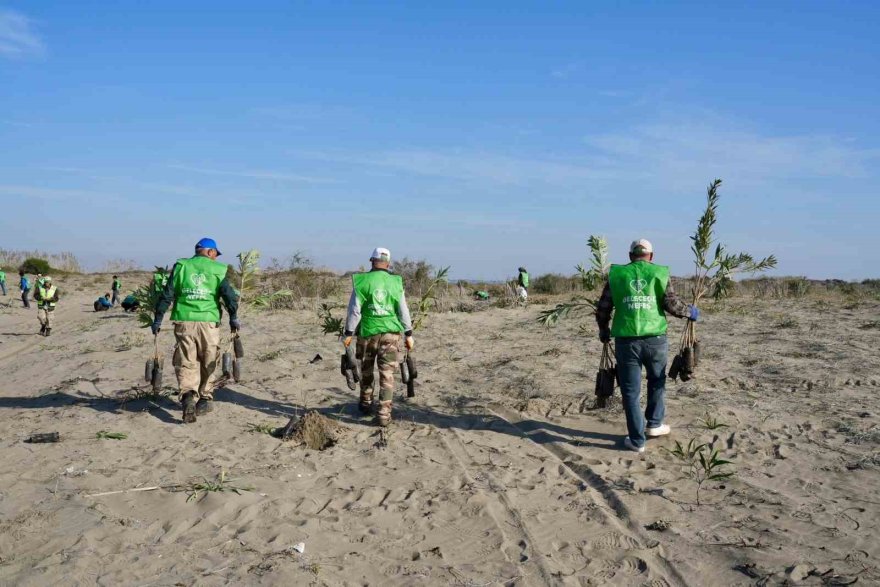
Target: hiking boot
<point>204,406</point>
<point>189,407</point>
<point>628,444</point>
<point>365,405</point>
<point>48,331</point>
<point>43,330</point>
<point>383,416</point>
<point>661,430</point>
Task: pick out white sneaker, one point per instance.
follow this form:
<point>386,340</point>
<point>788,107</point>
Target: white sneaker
<point>628,444</point>
<point>661,430</point>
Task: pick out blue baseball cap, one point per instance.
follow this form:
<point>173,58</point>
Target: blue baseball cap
<point>208,243</point>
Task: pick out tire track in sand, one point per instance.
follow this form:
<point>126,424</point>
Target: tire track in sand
<point>516,536</point>
<point>599,489</point>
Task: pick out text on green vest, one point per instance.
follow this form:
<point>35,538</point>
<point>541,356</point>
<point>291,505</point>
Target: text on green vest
<point>638,290</point>
<point>197,289</point>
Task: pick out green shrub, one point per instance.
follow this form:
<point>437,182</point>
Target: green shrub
<point>34,265</point>
<point>555,283</point>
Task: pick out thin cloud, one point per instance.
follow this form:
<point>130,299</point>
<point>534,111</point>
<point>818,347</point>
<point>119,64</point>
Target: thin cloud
<point>54,194</point>
<point>18,39</point>
<point>473,167</point>
<point>256,174</point>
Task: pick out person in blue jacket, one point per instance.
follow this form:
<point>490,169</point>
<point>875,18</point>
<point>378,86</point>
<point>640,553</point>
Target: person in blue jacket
<point>25,286</point>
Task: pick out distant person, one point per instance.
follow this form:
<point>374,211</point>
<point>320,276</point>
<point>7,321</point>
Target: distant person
<point>46,296</point>
<point>638,294</point>
<point>3,281</point>
<point>481,295</point>
<point>195,287</point>
<point>160,280</point>
<point>103,303</point>
<point>130,303</point>
<point>378,312</point>
<point>38,281</point>
<point>25,286</point>
<point>116,288</point>
<point>522,284</point>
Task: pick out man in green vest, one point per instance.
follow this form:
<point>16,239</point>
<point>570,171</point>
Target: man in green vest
<point>3,281</point>
<point>522,284</point>
<point>378,313</point>
<point>46,296</point>
<point>640,294</point>
<point>160,279</point>
<point>195,287</point>
<point>115,288</point>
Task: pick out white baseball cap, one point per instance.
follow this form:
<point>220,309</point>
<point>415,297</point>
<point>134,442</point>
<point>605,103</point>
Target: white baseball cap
<point>381,254</point>
<point>641,247</point>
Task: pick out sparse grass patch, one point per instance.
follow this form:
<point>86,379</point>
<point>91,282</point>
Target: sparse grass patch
<point>220,484</point>
<point>104,435</point>
<point>786,322</point>
<point>874,324</point>
<point>261,428</point>
<point>269,355</point>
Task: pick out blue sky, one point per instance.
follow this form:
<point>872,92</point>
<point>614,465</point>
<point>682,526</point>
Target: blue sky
<point>477,135</point>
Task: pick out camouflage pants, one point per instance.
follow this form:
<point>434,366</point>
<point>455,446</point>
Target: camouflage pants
<point>384,349</point>
<point>198,351</point>
<point>44,315</point>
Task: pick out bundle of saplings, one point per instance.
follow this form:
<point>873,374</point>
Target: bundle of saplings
<point>713,276</point>
<point>153,367</point>
<point>606,377</point>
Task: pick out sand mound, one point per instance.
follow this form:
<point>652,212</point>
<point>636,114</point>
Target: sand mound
<point>316,431</point>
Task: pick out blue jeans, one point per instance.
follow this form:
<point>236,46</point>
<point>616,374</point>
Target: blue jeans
<point>632,354</point>
<point>3,285</point>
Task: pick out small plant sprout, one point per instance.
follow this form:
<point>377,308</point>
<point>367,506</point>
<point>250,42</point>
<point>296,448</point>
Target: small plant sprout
<point>711,423</point>
<point>220,484</point>
<point>702,463</point>
<point>104,435</point>
<point>591,279</point>
<point>260,428</point>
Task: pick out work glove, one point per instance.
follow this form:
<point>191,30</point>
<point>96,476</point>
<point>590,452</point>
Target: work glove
<point>604,335</point>
<point>156,326</point>
<point>347,341</point>
<point>694,313</point>
<point>234,325</point>
<point>410,343</point>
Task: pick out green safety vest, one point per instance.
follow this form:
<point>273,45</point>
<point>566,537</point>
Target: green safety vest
<point>525,278</point>
<point>160,280</point>
<point>45,294</point>
<point>637,290</point>
<point>197,289</point>
<point>117,285</point>
<point>379,294</point>
<point>3,276</point>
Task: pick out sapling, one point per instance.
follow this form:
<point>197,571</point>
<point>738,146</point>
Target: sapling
<point>702,463</point>
<point>591,279</point>
<point>713,276</point>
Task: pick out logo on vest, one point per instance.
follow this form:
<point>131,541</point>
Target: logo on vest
<point>638,285</point>
<point>379,303</point>
<point>198,291</point>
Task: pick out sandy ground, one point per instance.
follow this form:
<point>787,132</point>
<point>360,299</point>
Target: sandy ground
<point>491,476</point>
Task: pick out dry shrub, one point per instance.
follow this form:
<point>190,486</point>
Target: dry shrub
<point>64,261</point>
